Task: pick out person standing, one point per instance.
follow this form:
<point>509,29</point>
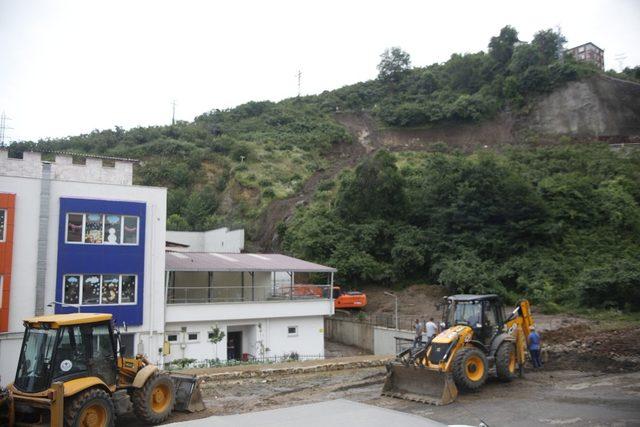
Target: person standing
<point>418,333</point>
<point>534,347</point>
<point>430,331</point>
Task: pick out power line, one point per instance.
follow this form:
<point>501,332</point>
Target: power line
<point>620,57</point>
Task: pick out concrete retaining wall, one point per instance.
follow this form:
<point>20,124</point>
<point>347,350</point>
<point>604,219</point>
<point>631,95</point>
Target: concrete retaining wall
<point>349,332</point>
<point>384,340</point>
<point>376,339</point>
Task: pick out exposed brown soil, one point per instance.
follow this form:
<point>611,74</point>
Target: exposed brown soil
<point>587,347</point>
<point>340,156</point>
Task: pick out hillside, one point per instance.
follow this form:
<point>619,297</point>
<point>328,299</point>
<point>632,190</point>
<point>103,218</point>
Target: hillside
<point>280,169</point>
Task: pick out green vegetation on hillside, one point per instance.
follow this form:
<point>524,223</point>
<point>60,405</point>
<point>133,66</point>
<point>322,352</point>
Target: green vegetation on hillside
<point>467,87</point>
<point>226,166</point>
<point>558,224</point>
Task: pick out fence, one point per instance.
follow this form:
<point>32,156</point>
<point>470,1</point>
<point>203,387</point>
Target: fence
<point>215,363</point>
<point>246,293</point>
<point>405,322</point>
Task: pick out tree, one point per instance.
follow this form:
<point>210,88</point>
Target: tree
<point>215,336</point>
<point>549,44</point>
<point>394,62</point>
<point>374,191</point>
<point>501,46</point>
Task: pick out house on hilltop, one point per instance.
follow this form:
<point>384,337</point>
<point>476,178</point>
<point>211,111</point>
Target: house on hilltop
<point>588,52</point>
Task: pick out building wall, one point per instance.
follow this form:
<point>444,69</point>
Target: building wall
<point>265,337</point>
<point>22,301</point>
<point>63,168</point>
<point>7,205</point>
<point>218,240</point>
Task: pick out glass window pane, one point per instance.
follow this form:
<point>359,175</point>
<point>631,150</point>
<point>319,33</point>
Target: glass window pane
<point>130,234</point>
<point>110,284</point>
<point>71,289</point>
<point>3,220</point>
<point>128,289</point>
<point>93,228</point>
<point>74,227</point>
<point>91,289</point>
<point>112,224</point>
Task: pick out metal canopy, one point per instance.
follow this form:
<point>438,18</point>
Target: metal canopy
<point>214,261</point>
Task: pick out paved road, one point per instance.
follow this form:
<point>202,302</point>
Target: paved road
<point>338,412</point>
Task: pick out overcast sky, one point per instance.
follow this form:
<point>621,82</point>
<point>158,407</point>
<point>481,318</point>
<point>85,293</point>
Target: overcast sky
<point>68,67</point>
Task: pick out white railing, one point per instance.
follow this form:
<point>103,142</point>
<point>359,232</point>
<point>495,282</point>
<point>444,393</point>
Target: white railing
<point>246,293</point>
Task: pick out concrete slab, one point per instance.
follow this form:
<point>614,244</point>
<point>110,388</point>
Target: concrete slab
<point>338,412</point>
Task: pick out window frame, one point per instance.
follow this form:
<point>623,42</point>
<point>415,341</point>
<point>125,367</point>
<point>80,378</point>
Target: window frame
<point>81,291</point>
<point>170,341</point>
<point>104,216</point>
<point>197,334</point>
<point>3,237</point>
<point>292,334</point>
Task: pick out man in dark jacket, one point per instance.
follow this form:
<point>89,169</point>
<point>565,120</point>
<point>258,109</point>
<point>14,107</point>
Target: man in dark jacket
<point>534,347</point>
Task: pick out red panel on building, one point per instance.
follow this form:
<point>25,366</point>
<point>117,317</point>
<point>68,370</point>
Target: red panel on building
<point>7,215</point>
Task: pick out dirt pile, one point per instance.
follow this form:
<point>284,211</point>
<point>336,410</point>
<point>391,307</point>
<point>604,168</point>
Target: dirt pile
<point>415,300</point>
<point>584,348</point>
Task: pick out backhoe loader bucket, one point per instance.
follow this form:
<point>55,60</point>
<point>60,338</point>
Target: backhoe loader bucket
<point>419,384</point>
<point>188,396</point>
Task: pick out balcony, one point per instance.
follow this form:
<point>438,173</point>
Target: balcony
<point>243,294</point>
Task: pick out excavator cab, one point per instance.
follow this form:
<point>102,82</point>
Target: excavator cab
<point>70,373</point>
<point>65,353</point>
<point>482,313</point>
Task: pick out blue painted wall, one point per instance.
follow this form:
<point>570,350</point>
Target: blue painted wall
<point>102,259</point>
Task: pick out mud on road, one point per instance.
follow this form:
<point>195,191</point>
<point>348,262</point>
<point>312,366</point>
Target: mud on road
<point>561,397</point>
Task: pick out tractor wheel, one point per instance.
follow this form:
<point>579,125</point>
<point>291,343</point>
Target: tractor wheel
<point>470,369</point>
<point>153,402</point>
<point>506,362</point>
<point>92,407</point>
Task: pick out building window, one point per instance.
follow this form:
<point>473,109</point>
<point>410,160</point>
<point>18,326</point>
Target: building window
<point>3,224</point>
<point>97,228</point>
<point>172,337</point>
<point>99,289</point>
<point>193,336</point>
<point>292,331</point>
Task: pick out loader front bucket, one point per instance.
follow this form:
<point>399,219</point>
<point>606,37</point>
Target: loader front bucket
<point>188,396</point>
<point>419,384</point>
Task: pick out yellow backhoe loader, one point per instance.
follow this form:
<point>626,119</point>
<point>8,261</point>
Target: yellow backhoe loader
<point>71,372</point>
<point>476,339</point>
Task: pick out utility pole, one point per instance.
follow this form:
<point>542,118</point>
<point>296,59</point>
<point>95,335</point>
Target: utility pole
<point>173,116</point>
<point>620,57</point>
<point>3,128</point>
<point>299,75</point>
<point>396,310</point>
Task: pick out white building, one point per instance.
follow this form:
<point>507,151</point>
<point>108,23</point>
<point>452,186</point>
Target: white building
<point>76,235</point>
<point>244,296</point>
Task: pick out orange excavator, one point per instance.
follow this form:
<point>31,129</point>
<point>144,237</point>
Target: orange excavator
<point>342,299</point>
<point>348,299</point>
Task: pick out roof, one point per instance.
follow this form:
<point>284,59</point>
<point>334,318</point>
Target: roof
<point>74,154</point>
<point>57,320</point>
<point>472,297</point>
<point>214,261</point>
<point>584,44</point>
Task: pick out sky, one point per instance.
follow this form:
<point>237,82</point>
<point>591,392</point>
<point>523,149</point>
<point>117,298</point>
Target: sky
<point>69,67</point>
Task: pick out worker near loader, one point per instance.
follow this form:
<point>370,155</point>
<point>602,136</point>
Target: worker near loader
<point>430,331</point>
<point>534,347</point>
<point>418,330</point>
